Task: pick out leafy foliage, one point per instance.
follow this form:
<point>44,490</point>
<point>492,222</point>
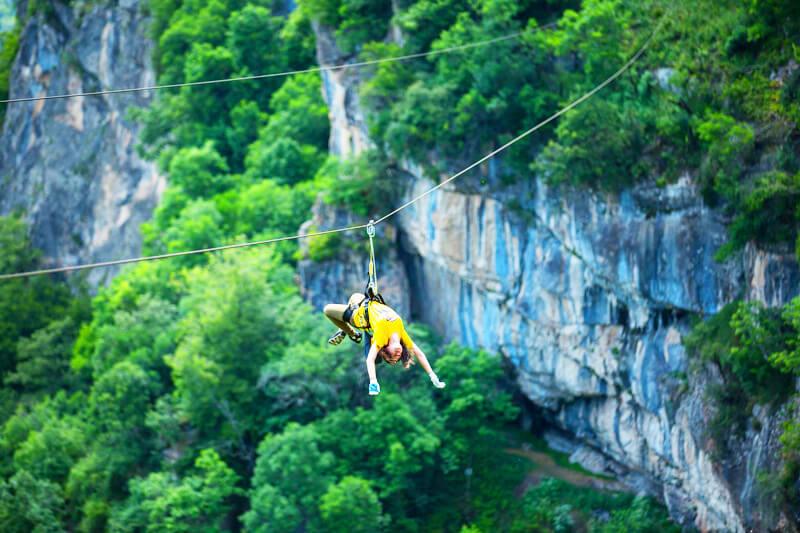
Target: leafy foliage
<point>351,506</point>
<point>195,503</point>
<point>9,43</point>
<point>755,348</point>
<point>38,322</point>
<point>27,503</point>
<point>720,106</point>
<point>200,394</point>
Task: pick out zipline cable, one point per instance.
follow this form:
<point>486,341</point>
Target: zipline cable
<point>175,254</point>
<point>343,66</point>
<point>574,103</point>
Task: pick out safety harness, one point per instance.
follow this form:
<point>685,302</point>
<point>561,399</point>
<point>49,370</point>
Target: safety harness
<point>371,291</point>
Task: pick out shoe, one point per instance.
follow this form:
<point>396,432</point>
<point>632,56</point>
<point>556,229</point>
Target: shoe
<point>337,338</point>
<point>356,337</point>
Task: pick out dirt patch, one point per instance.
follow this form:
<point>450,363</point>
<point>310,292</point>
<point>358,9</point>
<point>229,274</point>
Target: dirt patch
<point>545,466</point>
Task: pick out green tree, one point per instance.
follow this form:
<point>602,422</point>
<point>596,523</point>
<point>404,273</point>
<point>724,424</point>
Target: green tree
<point>787,360</point>
<point>25,304</point>
<point>120,397</point>
<point>768,213</point>
<point>198,226</point>
<point>760,333</point>
<point>729,144</point>
<point>271,512</point>
<point>142,334</point>
<point>790,453</point>
<point>475,402</point>
<point>641,517</point>
<point>191,23</point>
<point>309,382</point>
<point>29,504</point>
<point>297,473</point>
<point>200,172</point>
<point>255,24</point>
<point>266,208</point>
<point>49,452</point>
<point>351,506</point>
<point>238,314</point>
<point>198,502</point>
<point>405,443</point>
<point>90,486</point>
<point>246,119</point>
<point>285,160</point>
<point>43,359</point>
<point>9,43</point>
<point>299,112</point>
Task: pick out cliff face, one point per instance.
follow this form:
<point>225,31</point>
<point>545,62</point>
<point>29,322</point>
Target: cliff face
<point>590,296</point>
<point>70,165</point>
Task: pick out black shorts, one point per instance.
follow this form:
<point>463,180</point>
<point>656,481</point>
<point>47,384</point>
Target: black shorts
<point>348,314</point>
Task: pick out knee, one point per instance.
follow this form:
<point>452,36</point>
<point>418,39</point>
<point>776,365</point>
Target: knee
<point>328,309</point>
<point>356,298</point>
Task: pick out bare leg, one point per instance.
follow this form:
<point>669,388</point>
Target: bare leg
<point>335,313</point>
<point>356,298</point>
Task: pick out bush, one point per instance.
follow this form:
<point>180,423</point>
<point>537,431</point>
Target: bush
<point>790,452</point>
<point>768,214</point>
<point>729,145</point>
<point>9,43</point>
<point>200,172</point>
<point>753,347</point>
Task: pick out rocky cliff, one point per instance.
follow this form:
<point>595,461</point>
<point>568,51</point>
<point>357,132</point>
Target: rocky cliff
<point>70,166</point>
<point>589,296</point>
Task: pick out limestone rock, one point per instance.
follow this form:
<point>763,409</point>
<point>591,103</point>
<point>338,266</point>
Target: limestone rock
<point>71,166</point>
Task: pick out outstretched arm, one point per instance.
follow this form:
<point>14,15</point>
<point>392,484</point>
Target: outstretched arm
<point>374,388</point>
<point>422,359</point>
<point>427,367</point>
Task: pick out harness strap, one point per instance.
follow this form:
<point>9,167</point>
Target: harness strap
<point>372,283</point>
<point>365,304</point>
<point>371,290</point>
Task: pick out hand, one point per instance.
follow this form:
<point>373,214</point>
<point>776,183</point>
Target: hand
<point>435,380</point>
<point>374,389</point>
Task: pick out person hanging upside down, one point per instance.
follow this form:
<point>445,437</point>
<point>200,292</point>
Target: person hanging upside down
<point>388,340</point>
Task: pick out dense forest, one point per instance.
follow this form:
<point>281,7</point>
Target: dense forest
<point>199,394</point>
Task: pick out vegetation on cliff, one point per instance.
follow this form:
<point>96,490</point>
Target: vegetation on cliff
<point>9,43</point>
<point>199,393</point>
<point>757,352</point>
<point>715,97</point>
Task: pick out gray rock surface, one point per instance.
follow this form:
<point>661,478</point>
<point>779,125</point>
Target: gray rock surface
<point>590,296</point>
<point>70,166</point>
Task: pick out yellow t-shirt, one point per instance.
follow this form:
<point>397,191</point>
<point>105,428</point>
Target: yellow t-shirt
<point>384,322</point>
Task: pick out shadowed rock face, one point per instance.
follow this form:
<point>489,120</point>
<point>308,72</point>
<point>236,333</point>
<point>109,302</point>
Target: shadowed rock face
<point>70,165</point>
<point>590,297</point>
